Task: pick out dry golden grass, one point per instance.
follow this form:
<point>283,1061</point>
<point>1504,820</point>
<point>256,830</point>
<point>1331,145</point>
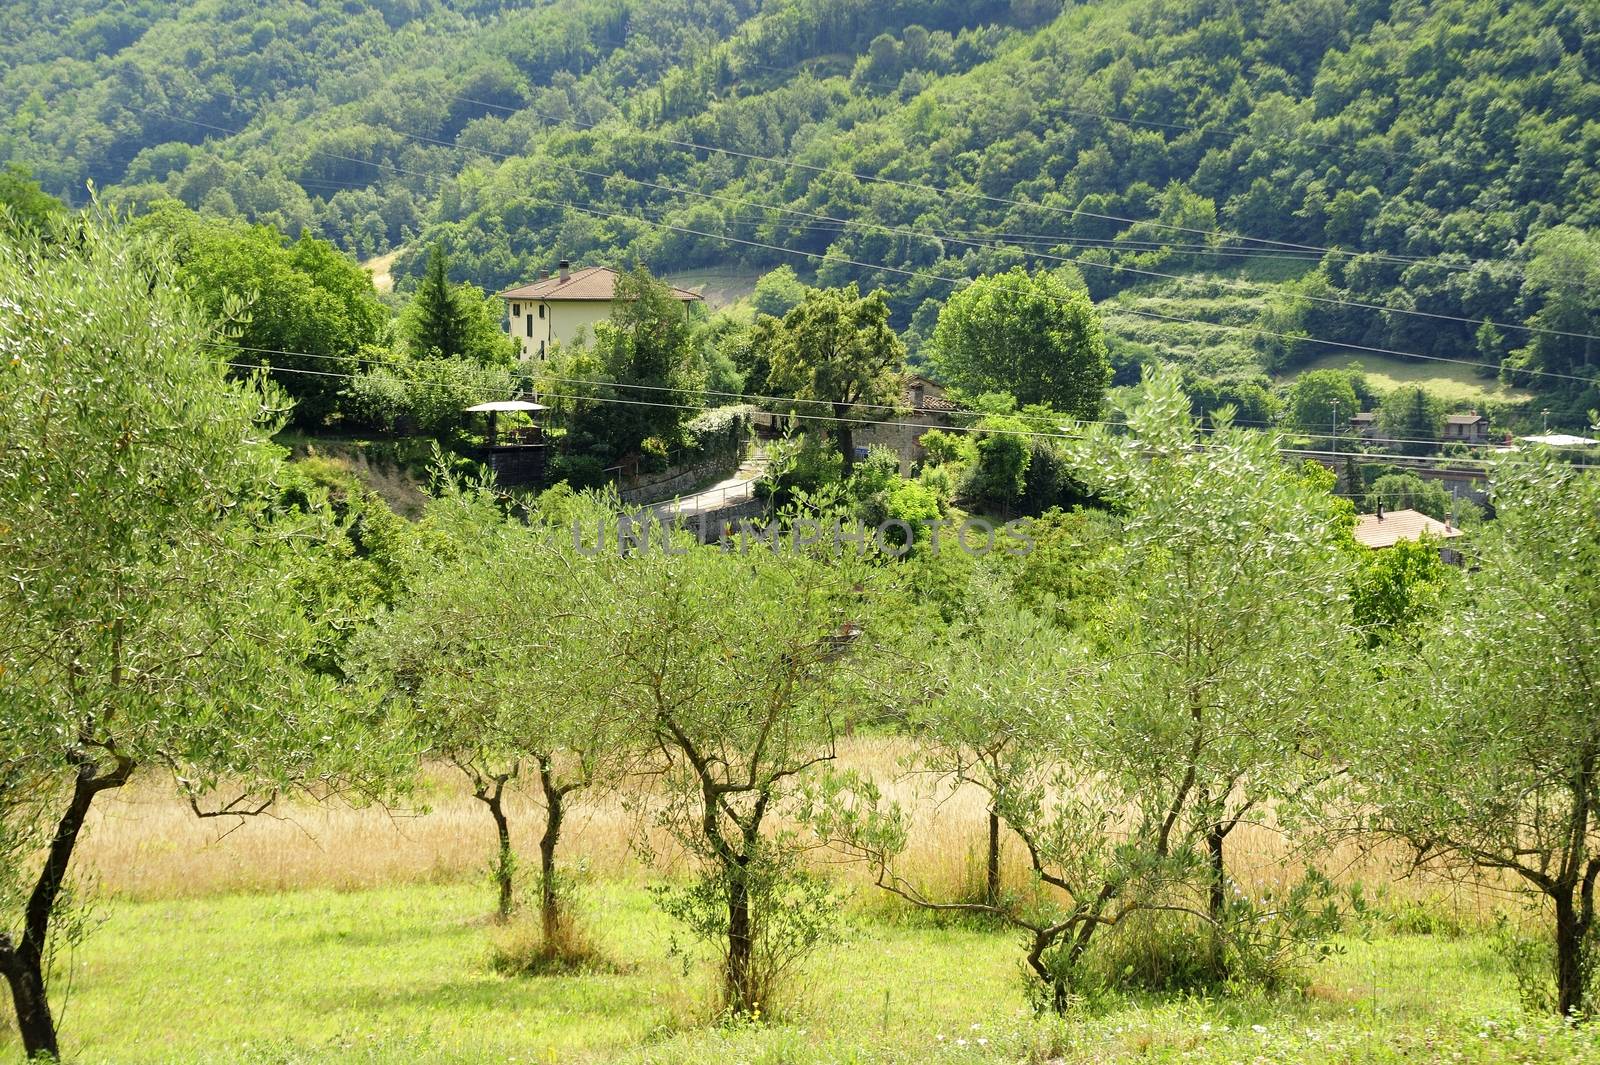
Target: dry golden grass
<point>143,842</point>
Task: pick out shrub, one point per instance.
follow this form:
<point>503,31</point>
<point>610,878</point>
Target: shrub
<point>718,434</point>
<point>1268,942</point>
<point>803,467</point>
<point>377,400</point>
<point>578,471</point>
<point>426,396</point>
<point>519,947</point>
<point>653,454</point>
<point>792,912</point>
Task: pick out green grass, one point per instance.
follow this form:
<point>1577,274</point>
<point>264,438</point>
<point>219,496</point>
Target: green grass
<point>1449,381</point>
<point>402,975</point>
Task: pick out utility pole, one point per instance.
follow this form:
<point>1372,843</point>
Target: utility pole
<point>1546,414</point>
<point>1336,430</point>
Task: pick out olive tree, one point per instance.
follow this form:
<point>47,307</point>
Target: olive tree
<point>1485,751</point>
<point>147,616</point>
<point>1122,752</point>
<point>494,652</point>
<point>740,669</point>
<point>1008,713</point>
<point>1230,645</point>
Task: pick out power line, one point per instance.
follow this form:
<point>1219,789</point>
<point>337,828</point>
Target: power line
<point>785,401</point>
<point>1225,131</point>
<point>691,145</point>
<point>1256,330</point>
<point>991,242</point>
<point>956,193</point>
<point>512,392</point>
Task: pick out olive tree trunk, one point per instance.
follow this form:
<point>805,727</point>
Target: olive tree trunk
<point>22,960</point>
<point>991,888</point>
<point>489,789</point>
<point>555,813</point>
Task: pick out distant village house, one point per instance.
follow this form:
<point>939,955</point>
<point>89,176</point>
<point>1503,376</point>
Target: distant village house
<point>555,308</point>
<point>1387,528</point>
<point>1468,428</point>
<point>924,408</point>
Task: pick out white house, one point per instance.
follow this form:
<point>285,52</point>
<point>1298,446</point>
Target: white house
<point>551,311</point>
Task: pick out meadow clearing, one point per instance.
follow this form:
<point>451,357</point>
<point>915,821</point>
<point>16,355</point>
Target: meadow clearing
<point>1450,382</point>
<point>339,934</point>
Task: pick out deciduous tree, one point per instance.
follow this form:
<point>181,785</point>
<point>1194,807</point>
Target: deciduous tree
<point>1035,336</point>
<point>838,355</point>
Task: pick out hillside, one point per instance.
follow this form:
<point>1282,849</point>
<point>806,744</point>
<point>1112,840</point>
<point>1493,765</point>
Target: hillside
<point>1419,178</point>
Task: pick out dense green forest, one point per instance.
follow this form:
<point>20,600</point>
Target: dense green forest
<point>1244,186</point>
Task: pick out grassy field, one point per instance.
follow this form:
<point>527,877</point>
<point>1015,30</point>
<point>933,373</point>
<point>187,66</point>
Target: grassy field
<point>380,265</point>
<point>1448,381</point>
<point>401,975</point>
<point>337,935</point>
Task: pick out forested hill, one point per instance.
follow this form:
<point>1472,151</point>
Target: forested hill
<point>1445,152</point>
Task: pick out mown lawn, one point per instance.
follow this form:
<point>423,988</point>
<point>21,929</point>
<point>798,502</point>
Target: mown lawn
<point>401,975</point>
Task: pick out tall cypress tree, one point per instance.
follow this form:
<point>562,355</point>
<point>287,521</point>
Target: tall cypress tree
<point>437,319</point>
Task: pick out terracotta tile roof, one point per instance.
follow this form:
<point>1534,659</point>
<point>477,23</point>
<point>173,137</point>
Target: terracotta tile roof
<point>921,394</point>
<point>587,283</point>
<point>1388,529</point>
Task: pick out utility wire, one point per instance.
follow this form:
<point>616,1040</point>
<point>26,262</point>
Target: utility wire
<point>511,392</point>
<point>949,193</point>
<point>992,242</point>
<point>755,399</point>
<point>958,282</point>
<point>691,145</point>
<point>1234,133</point>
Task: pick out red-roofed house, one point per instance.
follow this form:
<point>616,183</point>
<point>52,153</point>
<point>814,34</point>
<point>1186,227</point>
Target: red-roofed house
<point>552,310</point>
<point>1387,528</point>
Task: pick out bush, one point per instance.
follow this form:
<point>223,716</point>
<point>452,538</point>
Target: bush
<point>578,471</point>
<point>1266,942</point>
<point>518,947</point>
<point>718,434</point>
<point>792,912</point>
<point>653,455</point>
<point>1532,961</point>
<point>378,400</point>
<point>805,466</point>
<point>426,396</point>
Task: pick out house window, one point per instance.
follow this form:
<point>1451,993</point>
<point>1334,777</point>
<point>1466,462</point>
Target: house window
<point>541,310</point>
<point>541,349</point>
<point>516,310</point>
<point>530,325</point>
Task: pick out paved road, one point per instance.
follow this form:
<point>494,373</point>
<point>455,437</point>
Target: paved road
<point>729,490</point>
